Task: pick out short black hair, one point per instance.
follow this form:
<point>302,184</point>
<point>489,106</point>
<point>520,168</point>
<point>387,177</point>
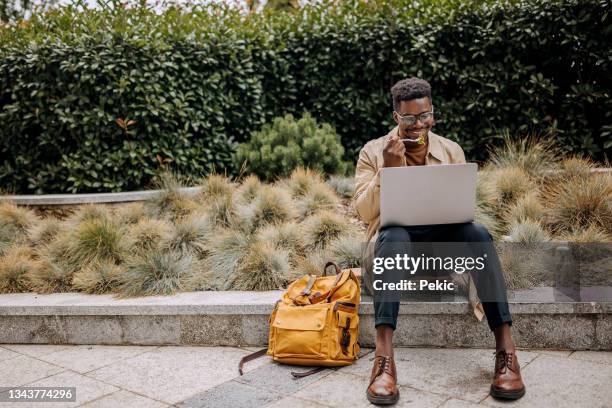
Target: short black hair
<point>408,89</point>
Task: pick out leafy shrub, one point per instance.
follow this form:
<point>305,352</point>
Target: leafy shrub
<point>287,144</point>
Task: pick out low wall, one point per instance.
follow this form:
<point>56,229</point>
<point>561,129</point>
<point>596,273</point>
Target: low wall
<point>542,319</point>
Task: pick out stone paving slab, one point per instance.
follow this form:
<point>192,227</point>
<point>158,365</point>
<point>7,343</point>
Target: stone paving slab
<point>172,374</point>
<point>564,382</point>
<point>208,377</point>
<point>83,359</point>
<point>295,402</point>
<point>35,350</point>
<point>232,394</point>
<point>87,389</point>
<point>593,356</point>
<point>274,377</point>
<point>124,398</point>
<point>23,370</point>
<point>6,354</point>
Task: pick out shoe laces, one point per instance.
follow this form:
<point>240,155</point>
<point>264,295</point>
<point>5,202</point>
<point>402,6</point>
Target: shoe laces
<point>384,362</point>
<point>503,361</point>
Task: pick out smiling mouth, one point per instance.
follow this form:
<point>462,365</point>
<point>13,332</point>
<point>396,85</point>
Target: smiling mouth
<point>417,133</point>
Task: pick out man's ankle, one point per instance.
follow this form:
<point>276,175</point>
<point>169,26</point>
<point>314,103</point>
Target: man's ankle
<point>384,340</point>
<point>385,349</point>
<point>509,348</point>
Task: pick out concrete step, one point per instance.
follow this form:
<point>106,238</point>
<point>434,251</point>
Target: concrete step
<point>543,318</point>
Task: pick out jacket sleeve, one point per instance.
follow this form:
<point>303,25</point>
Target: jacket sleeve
<point>458,155</point>
<point>366,199</point>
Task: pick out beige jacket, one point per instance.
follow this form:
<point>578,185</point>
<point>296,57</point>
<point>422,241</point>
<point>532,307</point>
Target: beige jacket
<point>367,185</point>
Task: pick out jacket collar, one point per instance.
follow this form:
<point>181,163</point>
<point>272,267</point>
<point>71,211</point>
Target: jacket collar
<point>434,147</point>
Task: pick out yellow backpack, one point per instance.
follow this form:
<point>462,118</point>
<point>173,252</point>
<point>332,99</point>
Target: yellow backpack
<point>315,323</point>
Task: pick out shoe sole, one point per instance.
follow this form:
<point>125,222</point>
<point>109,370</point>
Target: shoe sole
<point>508,395</point>
<point>383,400</point>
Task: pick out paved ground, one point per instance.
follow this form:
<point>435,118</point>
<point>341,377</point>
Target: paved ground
<point>131,376</point>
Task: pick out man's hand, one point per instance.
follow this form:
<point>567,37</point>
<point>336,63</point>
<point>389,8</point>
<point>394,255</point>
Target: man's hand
<point>393,153</point>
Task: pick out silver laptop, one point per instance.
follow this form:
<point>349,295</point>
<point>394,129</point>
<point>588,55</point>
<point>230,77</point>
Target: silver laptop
<point>423,195</point>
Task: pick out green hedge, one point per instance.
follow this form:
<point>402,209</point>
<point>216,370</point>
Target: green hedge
<point>196,81</point>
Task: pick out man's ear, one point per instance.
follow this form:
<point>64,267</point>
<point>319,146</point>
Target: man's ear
<point>395,118</point>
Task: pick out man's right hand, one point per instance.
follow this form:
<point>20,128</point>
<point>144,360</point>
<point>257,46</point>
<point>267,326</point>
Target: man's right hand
<point>393,153</point>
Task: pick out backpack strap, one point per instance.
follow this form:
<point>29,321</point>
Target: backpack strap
<point>307,373</point>
<point>262,352</point>
<point>250,357</point>
<point>309,286</point>
<point>330,263</point>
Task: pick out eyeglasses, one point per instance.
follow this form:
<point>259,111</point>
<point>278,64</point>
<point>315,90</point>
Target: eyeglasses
<point>410,120</point>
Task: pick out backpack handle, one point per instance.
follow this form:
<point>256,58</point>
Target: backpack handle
<point>330,263</point>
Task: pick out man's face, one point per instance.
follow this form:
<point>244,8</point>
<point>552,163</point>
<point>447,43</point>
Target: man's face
<point>414,107</point>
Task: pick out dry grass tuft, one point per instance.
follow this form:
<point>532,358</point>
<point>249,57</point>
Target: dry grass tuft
<point>310,264</point>
<point>170,203</point>
<point>50,276</point>
<point>322,228</point>
<point>157,273</point>
<point>226,252</point>
<point>533,155</point>
<point>489,221</point>
<point>528,233</point>
<point>14,223</point>
<point>44,231</point>
<point>502,187</point>
<point>191,236</point>
<point>590,234</point>
<point>15,265</point>
<point>216,186</point>
<point>521,267</point>
<point>263,267</point>
<point>222,212</point>
<point>344,186</point>
<point>579,203</point>
<point>93,239</point>
<point>576,168</point>
<point>88,212</point>
<point>302,181</point>
<point>248,189</point>
<point>347,251</point>
<point>98,277</point>
<point>320,197</point>
<point>271,205</point>
<point>525,208</point>
<point>130,214</point>
<point>147,235</point>
<point>283,236</point>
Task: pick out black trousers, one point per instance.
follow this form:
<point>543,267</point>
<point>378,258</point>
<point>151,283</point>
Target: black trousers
<point>489,282</point>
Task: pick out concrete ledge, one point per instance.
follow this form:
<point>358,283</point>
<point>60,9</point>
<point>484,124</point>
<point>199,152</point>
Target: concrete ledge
<point>94,198</point>
<point>543,318</point>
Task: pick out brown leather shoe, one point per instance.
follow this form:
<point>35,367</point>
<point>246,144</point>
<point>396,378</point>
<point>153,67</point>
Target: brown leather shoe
<point>507,381</point>
<point>383,389</point>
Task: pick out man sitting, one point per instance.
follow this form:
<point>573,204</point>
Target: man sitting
<point>413,112</point>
